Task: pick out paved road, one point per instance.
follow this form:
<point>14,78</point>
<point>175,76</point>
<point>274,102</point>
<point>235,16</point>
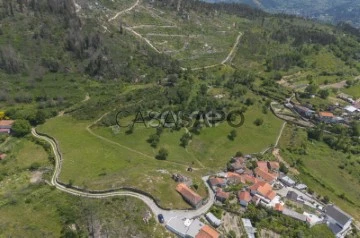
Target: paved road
<point>148,201</point>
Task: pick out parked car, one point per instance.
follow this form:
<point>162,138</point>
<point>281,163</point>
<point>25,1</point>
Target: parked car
<point>161,218</point>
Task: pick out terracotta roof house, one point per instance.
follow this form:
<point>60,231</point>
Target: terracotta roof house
<point>244,198</point>
<point>262,165</point>
<point>238,163</point>
<point>207,232</point>
<point>263,189</point>
<point>233,178</point>
<point>264,175</point>
<point>245,178</point>
<point>221,196</point>
<point>279,207</point>
<point>326,114</point>
<point>273,165</point>
<point>217,182</point>
<point>5,126</point>
<point>189,195</point>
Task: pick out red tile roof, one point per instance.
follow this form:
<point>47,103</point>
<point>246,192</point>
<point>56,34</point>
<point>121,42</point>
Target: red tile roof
<point>216,181</point>
<point>6,122</point>
<point>278,207</point>
<point>262,165</point>
<point>188,194</point>
<point>221,194</point>
<point>248,179</point>
<point>264,189</point>
<point>207,232</point>
<point>244,196</point>
<point>268,177</point>
<point>274,165</point>
<point>234,177</point>
<point>326,114</point>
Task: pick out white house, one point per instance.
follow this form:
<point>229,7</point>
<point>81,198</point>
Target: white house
<point>338,221</point>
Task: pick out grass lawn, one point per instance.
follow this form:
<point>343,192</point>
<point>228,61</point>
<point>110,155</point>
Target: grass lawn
<point>111,160</point>
<point>323,164</point>
<point>353,91</point>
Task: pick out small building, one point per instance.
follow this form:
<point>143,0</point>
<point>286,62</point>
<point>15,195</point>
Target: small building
<point>274,166</point>
<point>221,196</point>
<point>265,175</point>
<point>194,199</point>
<point>233,178</point>
<point>6,125</point>
<point>250,230</point>
<point>262,165</point>
<point>304,111</point>
<point>301,186</point>
<point>337,220</point>
<point>244,198</point>
<point>279,207</point>
<point>287,181</point>
<point>214,221</point>
<point>217,182</point>
<point>238,163</point>
<point>291,195</point>
<point>264,190</point>
<point>295,215</point>
<point>329,117</point>
<point>184,227</point>
<point>207,232</point>
<point>180,178</point>
<point>351,109</point>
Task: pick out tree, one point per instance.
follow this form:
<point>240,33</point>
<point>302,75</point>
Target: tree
<point>232,135</point>
<point>258,122</point>
<point>21,128</point>
<point>283,168</point>
<point>162,155</point>
<point>184,140</point>
<point>311,89</point>
<point>154,140</point>
<point>324,93</point>
<point>238,154</point>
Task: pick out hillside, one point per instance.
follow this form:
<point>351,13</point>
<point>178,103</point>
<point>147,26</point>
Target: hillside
<point>333,11</point>
<point>70,67</point>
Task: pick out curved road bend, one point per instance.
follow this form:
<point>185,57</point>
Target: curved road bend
<point>148,201</point>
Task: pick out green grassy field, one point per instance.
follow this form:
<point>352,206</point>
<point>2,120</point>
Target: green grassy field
<point>353,91</point>
<point>327,178</point>
<point>38,210</point>
<point>111,160</point>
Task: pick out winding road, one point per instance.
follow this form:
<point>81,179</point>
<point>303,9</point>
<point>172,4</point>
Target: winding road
<point>168,214</point>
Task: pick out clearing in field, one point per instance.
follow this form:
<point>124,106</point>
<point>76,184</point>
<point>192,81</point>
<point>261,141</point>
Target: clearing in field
<point>99,158</point>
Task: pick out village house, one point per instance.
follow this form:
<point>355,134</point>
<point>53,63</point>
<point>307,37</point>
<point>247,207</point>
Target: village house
<point>250,230</point>
<point>304,111</point>
<point>194,199</point>
<point>264,190</point>
<point>273,166</point>
<point>207,232</point>
<point>244,198</point>
<point>214,221</point>
<point>279,207</point>
<point>221,196</point>
<point>6,125</point>
<point>233,178</point>
<point>337,220</point>
<point>217,182</point>
<point>329,117</point>
<point>287,181</point>
<point>263,174</point>
<point>237,163</point>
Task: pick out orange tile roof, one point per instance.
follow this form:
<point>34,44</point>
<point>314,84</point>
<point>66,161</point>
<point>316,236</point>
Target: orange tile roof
<point>268,177</point>
<point>262,165</point>
<point>274,165</point>
<point>279,207</point>
<point>244,196</point>
<point>222,194</point>
<point>6,122</point>
<point>234,177</point>
<point>326,114</point>
<point>216,181</point>
<point>248,179</point>
<point>264,189</point>
<point>188,194</point>
<point>207,232</point>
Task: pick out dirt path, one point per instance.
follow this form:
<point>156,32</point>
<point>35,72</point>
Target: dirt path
<point>124,11</point>
<point>337,85</point>
<point>231,53</point>
<point>276,153</point>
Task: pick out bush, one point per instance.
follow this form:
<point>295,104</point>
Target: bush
<point>162,155</point>
<point>258,122</point>
<point>21,128</point>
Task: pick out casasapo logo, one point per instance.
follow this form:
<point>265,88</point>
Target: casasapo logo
<point>171,119</point>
